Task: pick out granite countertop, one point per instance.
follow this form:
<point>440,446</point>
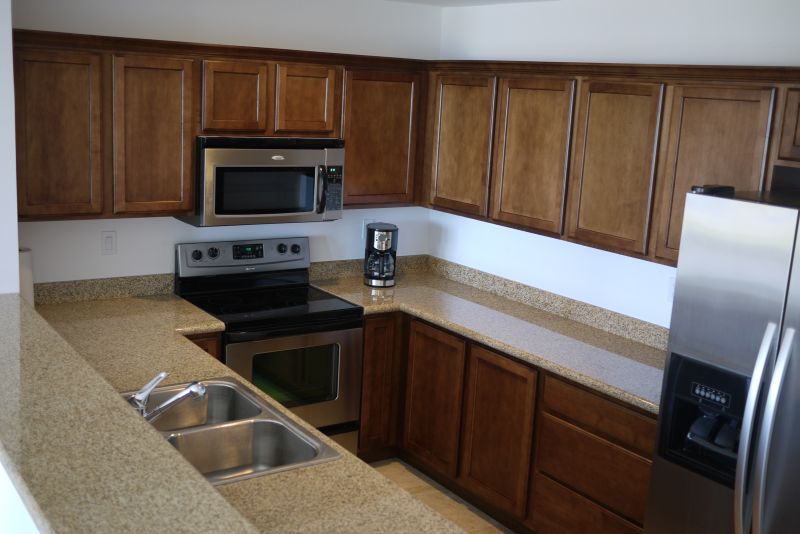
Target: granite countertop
<point>85,461</point>
<point>624,369</point>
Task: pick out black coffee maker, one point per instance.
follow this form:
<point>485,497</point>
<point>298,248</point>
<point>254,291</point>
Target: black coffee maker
<point>380,253</point>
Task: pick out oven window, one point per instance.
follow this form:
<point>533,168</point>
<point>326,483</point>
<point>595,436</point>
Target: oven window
<point>256,190</point>
<point>296,377</point>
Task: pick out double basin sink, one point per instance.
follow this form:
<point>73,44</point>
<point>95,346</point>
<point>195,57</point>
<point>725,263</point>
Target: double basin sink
<point>229,434</point>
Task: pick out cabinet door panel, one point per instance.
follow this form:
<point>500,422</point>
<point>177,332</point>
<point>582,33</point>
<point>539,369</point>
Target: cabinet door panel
<point>717,135</point>
<point>604,472</point>
<point>153,134</point>
<point>235,96</point>
<point>308,99</point>
<point>464,111</point>
<point>380,129</point>
<point>498,429</point>
<point>790,133</point>
<point>59,132</point>
<point>531,152</point>
<point>611,183</point>
<point>434,389</point>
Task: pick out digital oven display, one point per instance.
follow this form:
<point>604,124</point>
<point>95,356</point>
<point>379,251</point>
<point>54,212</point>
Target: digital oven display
<point>248,252</point>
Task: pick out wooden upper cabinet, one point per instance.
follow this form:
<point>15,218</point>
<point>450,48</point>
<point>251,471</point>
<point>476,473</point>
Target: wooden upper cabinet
<point>435,382</point>
<point>531,152</point>
<point>790,132</point>
<point>308,99</point>
<point>59,130</point>
<point>462,142</point>
<point>235,96</point>
<point>717,135</point>
<point>380,135</point>
<point>153,134</point>
<point>498,429</point>
<point>611,181</point>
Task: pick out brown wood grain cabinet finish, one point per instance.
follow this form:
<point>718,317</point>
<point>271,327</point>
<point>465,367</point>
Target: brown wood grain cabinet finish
<point>555,509</point>
<point>612,176</point>
<point>211,343</point>
<point>594,467</point>
<point>434,390</point>
<point>235,96</point>
<point>59,132</point>
<point>381,117</point>
<point>153,134</point>
<point>309,99</point>
<point>605,418</point>
<point>717,135</point>
<point>534,121</point>
<point>498,429</point>
<point>380,387</point>
<point>790,131</point>
<point>464,117</point>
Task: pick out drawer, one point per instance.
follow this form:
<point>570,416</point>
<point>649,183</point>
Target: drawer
<point>594,467</point>
<point>600,416</point>
<point>554,509</point>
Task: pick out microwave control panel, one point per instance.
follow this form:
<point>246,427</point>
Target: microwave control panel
<point>333,176</point>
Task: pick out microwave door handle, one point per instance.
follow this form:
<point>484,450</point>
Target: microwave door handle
<point>740,519</point>
<point>323,188</point>
<point>765,438</point>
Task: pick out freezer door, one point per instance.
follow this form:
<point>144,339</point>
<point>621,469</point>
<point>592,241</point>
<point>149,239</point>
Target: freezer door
<point>732,282</point>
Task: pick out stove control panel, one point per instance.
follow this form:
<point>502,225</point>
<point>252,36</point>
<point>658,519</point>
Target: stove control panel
<point>230,257</point>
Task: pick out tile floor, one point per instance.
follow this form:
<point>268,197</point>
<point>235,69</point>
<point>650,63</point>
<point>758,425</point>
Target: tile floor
<point>440,499</point>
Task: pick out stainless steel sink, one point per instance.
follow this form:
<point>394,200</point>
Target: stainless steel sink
<point>230,434</point>
<point>245,449</point>
<point>225,400</point>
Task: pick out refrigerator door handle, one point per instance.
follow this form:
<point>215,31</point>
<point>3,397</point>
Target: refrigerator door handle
<point>765,438</point>
<point>740,521</point>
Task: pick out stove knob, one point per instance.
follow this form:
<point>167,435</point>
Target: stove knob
<point>295,249</point>
<point>197,255</point>
<point>213,252</point>
<point>282,248</point>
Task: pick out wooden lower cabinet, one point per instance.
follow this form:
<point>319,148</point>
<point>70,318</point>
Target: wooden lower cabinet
<point>498,429</point>
<point>435,380</point>
<point>211,343</point>
<point>382,387</point>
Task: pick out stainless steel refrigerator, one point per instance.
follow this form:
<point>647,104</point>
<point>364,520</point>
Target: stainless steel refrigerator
<point>728,455</point>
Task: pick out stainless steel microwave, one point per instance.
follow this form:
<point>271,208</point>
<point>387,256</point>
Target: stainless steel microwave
<point>258,180</point>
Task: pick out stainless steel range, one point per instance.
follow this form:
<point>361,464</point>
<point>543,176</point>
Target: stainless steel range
<point>299,344</point>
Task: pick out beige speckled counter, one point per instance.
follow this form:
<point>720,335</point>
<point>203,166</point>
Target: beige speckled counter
<point>127,341</point>
<point>621,368</point>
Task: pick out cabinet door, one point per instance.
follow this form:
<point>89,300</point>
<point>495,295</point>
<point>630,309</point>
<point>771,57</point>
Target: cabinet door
<point>434,387</point>
<point>531,152</point>
<point>611,182</point>
<point>309,99</point>
<point>235,96</point>
<point>211,343</point>
<point>59,132</point>
<point>153,134</point>
<point>381,131</point>
<point>717,135</point>
<point>498,429</point>
<point>790,132</point>
<point>464,116</point>
<point>380,388</point>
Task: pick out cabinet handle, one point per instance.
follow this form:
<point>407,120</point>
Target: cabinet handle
<point>740,520</point>
<point>765,438</point>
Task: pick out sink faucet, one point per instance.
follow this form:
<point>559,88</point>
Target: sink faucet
<point>139,400</point>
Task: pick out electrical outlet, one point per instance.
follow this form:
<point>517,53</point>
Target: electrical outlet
<point>108,243</point>
<point>364,227</point>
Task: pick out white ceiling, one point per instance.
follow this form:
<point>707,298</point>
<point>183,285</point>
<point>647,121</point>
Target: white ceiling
<point>461,3</point>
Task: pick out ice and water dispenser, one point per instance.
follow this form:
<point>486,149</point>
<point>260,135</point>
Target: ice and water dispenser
<point>704,406</point>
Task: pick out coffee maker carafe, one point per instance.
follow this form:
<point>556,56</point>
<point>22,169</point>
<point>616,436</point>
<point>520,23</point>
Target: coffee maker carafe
<point>380,253</point>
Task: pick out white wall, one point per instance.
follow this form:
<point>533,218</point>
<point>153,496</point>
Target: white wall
<point>70,250</point>
<point>731,32</point>
<point>9,265</point>
<point>348,26</point>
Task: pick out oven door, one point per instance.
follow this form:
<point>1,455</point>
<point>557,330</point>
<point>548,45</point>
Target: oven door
<point>317,375</point>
